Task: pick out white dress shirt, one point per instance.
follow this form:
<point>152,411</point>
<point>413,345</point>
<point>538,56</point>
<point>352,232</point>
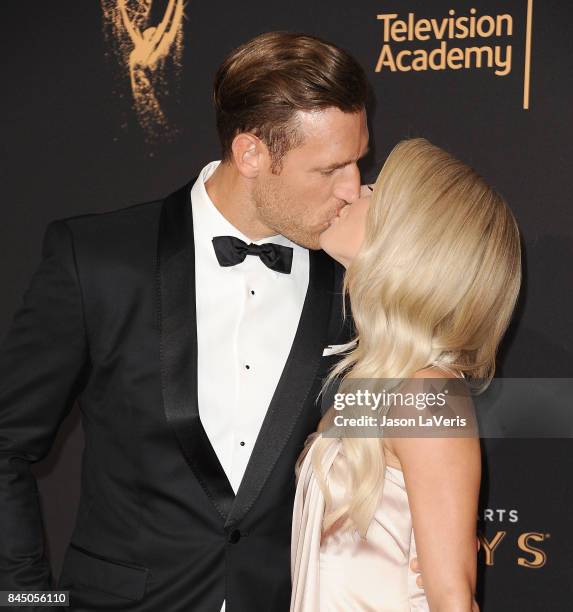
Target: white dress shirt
<point>247,317</point>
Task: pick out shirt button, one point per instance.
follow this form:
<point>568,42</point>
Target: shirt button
<point>234,536</point>
<point>247,366</point>
<point>242,443</point>
<point>252,292</point>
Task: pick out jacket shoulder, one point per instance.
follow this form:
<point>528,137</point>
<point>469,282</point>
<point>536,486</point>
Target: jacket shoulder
<point>117,216</point>
<point>127,223</point>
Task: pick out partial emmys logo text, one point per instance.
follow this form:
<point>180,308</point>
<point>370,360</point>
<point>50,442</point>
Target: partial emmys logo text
<point>528,544</point>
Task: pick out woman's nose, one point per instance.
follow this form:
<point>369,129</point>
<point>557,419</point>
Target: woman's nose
<point>363,192</point>
<point>366,191</point>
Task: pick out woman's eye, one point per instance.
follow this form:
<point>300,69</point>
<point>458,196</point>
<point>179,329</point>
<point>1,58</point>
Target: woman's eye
<point>327,172</point>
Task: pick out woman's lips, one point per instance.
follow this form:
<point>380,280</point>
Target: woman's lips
<point>339,213</point>
<point>342,212</point>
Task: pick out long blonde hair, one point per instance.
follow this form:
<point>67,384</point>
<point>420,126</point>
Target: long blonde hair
<point>434,284</point>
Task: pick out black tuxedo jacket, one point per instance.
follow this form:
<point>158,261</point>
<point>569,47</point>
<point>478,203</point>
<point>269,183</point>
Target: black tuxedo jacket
<point>109,319</point>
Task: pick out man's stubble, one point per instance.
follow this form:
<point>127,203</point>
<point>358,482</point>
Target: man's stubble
<point>276,211</point>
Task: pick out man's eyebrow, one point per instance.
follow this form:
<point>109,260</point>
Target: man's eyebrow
<point>336,166</point>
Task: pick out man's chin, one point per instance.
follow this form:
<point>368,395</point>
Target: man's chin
<point>306,240</point>
<point>311,243</point>
<point>315,241</point>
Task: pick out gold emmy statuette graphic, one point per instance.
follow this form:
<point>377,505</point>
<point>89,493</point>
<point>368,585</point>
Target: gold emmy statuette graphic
<point>143,50</point>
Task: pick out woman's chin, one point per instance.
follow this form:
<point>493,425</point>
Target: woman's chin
<point>328,244</point>
<point>324,241</point>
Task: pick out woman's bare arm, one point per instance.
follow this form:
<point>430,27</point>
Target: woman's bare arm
<point>442,476</point>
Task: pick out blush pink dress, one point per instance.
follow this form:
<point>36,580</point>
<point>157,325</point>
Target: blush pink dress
<point>340,572</point>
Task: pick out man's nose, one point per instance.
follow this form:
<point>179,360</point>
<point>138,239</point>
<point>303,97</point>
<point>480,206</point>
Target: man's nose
<point>348,187</point>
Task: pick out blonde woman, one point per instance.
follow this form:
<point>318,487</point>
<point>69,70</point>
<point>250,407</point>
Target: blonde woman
<point>433,269</point>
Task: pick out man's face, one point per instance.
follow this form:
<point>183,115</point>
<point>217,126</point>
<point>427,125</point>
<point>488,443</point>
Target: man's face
<point>317,178</point>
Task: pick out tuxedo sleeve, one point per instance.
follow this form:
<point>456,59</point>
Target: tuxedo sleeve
<point>43,359</point>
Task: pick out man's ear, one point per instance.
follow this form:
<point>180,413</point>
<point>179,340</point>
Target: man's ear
<point>249,154</point>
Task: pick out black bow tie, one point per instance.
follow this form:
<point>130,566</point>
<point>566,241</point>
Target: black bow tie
<point>231,251</point>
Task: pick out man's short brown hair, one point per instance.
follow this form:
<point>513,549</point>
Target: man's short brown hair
<point>261,84</point>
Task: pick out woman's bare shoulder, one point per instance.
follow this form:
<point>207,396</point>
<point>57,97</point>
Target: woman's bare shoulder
<point>435,372</point>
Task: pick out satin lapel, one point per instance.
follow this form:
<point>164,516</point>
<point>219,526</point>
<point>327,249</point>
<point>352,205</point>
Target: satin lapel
<point>294,385</point>
<point>178,346</point>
